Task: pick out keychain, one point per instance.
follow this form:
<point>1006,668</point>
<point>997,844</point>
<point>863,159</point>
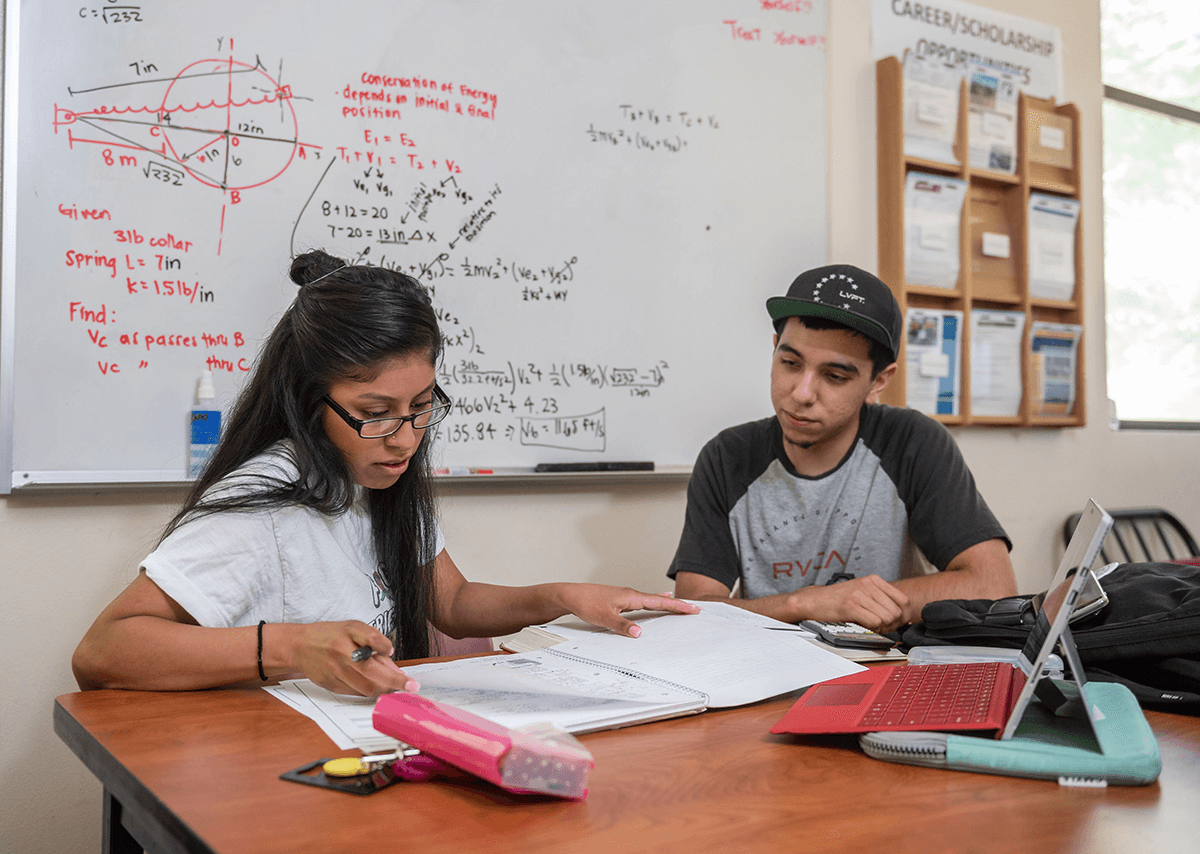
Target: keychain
<point>367,774</point>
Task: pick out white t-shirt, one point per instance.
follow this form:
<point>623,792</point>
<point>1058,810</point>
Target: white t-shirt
<point>282,565</point>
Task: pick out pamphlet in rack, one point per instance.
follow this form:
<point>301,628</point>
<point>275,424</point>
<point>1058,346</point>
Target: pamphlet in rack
<point>933,348</point>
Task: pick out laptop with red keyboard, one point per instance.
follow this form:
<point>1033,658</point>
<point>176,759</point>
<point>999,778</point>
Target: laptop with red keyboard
<point>955,697</point>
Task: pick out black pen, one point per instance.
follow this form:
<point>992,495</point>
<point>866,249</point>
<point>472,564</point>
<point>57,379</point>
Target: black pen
<point>362,653</point>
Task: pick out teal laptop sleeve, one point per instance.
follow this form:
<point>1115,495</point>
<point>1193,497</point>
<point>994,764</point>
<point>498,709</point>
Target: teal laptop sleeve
<point>1045,745</point>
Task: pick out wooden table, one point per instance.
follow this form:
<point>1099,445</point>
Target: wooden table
<point>199,771</point>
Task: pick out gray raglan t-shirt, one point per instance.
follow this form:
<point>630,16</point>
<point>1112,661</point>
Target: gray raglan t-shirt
<point>752,518</point>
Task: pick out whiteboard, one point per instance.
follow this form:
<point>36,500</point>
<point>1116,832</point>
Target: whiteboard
<point>599,196</point>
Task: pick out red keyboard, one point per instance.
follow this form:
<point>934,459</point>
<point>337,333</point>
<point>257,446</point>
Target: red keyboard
<point>932,695</point>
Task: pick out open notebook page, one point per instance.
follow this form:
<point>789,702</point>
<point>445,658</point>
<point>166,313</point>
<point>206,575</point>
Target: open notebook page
<point>731,655</point>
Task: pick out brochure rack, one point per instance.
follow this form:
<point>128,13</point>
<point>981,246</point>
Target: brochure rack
<point>995,252</point>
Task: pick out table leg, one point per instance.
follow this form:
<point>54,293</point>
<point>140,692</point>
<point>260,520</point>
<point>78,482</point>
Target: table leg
<point>117,840</point>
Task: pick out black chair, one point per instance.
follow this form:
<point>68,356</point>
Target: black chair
<point>1142,534</point>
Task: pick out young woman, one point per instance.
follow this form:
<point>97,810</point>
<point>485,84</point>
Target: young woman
<point>312,531</point>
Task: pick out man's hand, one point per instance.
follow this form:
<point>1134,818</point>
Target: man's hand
<point>869,601</point>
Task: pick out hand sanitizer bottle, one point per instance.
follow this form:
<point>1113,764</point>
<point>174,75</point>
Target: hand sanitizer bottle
<point>205,426</point>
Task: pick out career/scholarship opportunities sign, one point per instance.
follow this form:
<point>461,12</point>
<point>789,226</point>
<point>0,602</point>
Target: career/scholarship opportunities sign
<point>957,32</point>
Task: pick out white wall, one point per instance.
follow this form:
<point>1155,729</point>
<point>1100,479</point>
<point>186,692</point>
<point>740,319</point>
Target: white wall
<point>64,557</point>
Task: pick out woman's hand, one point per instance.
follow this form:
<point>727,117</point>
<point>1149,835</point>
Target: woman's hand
<point>145,641</point>
<point>322,652</point>
<point>466,609</point>
<point>602,605</point>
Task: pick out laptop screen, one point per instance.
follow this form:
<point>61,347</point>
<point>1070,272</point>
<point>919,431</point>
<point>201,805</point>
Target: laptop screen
<point>1055,611</point>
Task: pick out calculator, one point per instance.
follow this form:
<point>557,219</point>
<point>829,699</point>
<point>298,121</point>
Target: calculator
<point>848,634</point>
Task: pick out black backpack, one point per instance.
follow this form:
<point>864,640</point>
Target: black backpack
<point>1147,637</point>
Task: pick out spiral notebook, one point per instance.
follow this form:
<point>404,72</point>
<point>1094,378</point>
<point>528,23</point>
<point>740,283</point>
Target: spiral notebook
<point>681,664</point>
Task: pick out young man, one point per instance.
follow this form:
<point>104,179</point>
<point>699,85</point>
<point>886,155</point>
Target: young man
<point>817,511</point>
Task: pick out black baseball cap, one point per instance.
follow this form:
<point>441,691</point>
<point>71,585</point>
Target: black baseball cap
<point>847,295</point>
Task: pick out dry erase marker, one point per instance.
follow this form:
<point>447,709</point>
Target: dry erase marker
<point>594,466</point>
<point>362,653</point>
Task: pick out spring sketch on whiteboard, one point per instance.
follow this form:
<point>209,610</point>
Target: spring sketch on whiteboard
<point>226,124</point>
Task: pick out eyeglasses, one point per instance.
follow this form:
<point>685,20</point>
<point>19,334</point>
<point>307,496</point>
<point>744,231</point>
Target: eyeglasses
<point>378,428</point>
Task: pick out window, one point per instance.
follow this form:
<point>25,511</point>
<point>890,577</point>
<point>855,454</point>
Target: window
<point>1150,56</point>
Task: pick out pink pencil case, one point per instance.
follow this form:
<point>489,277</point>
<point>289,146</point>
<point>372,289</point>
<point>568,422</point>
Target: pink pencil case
<point>549,762</point>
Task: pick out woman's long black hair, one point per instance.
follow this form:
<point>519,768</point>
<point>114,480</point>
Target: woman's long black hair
<point>345,323</point>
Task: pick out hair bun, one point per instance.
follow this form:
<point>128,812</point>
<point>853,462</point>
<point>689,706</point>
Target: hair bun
<point>313,266</point>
